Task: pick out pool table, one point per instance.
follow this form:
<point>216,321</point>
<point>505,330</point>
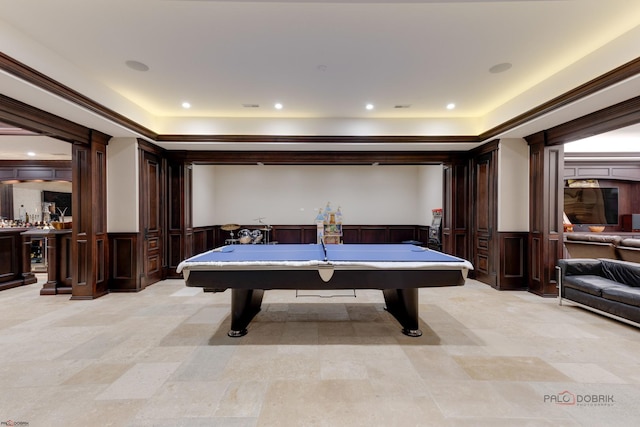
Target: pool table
<point>396,269</point>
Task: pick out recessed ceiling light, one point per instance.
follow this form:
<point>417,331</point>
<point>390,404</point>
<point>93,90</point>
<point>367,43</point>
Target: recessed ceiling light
<point>369,106</point>
<point>278,106</point>
<point>500,68</point>
<point>451,106</point>
<point>137,65</point>
<point>186,105</point>
<point>31,154</point>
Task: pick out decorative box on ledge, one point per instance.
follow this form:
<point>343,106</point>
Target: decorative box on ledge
<point>329,225</point>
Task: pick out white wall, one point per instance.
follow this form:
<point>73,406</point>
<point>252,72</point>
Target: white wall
<point>430,192</point>
<point>29,194</point>
<point>122,185</point>
<point>513,185</point>
<point>292,194</point>
<point>31,199</point>
<point>204,195</point>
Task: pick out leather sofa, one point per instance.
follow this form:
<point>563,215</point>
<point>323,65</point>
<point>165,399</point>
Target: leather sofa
<point>602,246</point>
<point>606,286</point>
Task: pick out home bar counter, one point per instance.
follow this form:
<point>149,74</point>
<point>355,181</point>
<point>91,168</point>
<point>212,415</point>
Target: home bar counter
<point>15,266</point>
<point>57,256</point>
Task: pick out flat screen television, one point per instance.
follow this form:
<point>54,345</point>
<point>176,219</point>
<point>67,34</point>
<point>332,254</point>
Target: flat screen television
<point>61,200</point>
<point>591,206</point>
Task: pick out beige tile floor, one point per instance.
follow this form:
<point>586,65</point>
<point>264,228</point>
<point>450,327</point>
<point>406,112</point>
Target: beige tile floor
<point>162,358</point>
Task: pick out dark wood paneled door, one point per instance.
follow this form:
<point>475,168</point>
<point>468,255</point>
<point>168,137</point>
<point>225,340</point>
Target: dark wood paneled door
<point>151,218</point>
<point>484,218</point>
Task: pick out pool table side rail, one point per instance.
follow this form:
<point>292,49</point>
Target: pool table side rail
<point>221,280</point>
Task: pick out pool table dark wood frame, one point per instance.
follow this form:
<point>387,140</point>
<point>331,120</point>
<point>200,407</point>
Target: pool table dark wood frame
<point>399,287</point>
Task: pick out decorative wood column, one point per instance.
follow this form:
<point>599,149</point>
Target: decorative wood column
<point>546,164</point>
<point>89,233</point>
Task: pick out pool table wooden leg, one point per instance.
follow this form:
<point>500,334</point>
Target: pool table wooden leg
<point>245,304</point>
<point>403,305</point>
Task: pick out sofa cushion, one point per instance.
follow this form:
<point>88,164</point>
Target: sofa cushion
<point>623,272</point>
<point>632,243</point>
<point>580,266</point>
<point>623,294</point>
<point>590,284</point>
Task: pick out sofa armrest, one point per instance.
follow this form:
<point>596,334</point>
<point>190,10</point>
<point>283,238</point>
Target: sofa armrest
<point>580,266</point>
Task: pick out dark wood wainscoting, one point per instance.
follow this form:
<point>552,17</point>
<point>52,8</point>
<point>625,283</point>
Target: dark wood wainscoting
<point>512,273</point>
<point>125,269</point>
<point>178,249</point>
<point>204,239</point>
<point>423,234</point>
<point>212,236</point>
<point>291,233</point>
<point>386,234</point>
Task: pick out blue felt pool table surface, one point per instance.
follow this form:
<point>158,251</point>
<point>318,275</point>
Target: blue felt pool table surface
<point>314,252</point>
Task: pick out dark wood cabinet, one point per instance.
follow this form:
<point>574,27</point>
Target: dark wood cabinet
<point>15,268</point>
